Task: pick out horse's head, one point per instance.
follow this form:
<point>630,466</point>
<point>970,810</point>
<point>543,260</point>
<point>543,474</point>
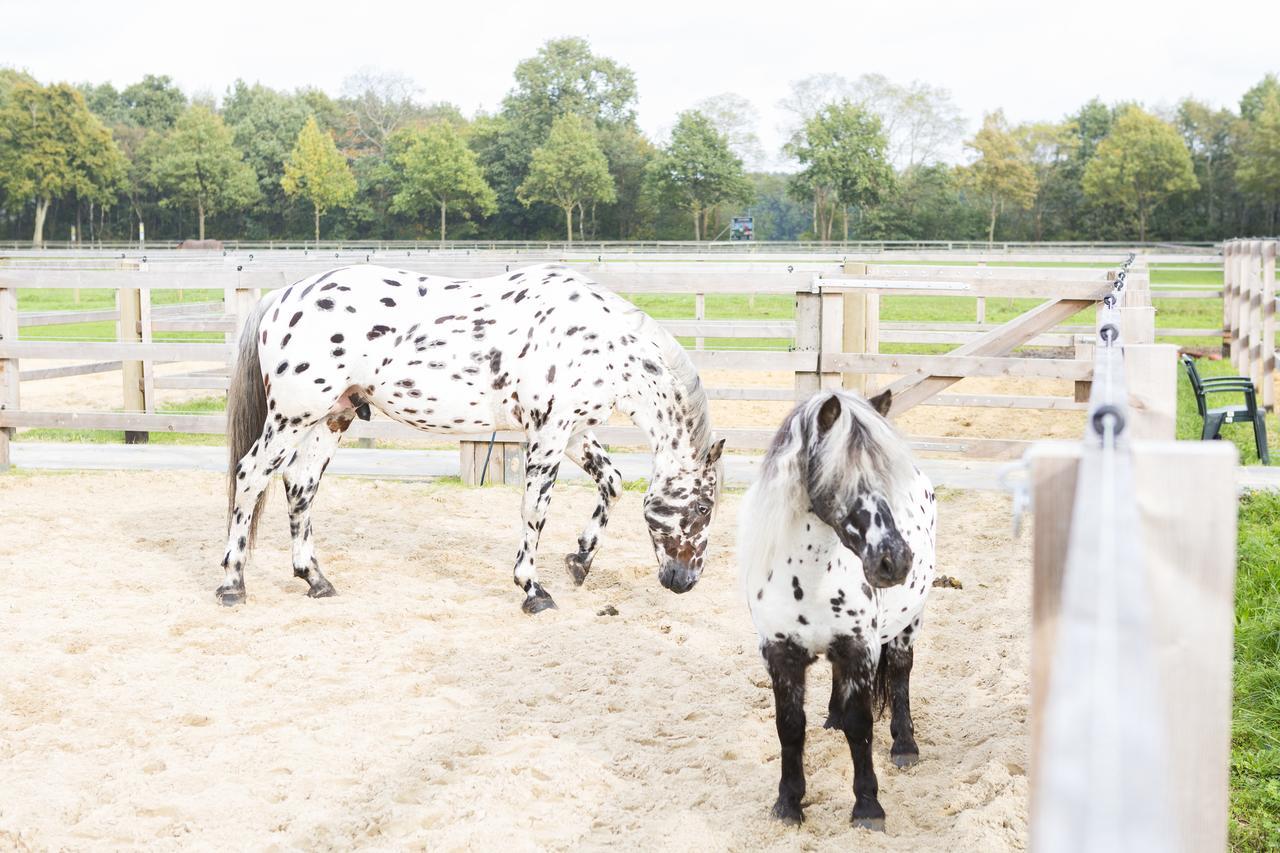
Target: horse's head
<point>855,465</point>
<point>678,508</point>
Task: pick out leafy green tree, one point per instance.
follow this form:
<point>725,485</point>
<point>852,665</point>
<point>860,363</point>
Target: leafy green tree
<point>1002,173</point>
<point>564,77</point>
<point>569,170</point>
<point>201,167</point>
<point>629,154</point>
<point>439,172</point>
<point>1255,100</point>
<point>1049,147</point>
<point>155,102</point>
<point>697,172</point>
<point>51,146</point>
<point>1140,164</point>
<point>1211,137</point>
<point>1259,171</point>
<point>844,152</point>
<point>265,124</point>
<point>317,171</point>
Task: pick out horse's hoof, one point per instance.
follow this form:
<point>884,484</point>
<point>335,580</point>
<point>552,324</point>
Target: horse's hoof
<point>830,722</point>
<point>903,760</point>
<point>578,567</point>
<point>230,597</point>
<point>538,602</point>
<point>875,824</point>
<point>321,589</point>
<point>788,813</point>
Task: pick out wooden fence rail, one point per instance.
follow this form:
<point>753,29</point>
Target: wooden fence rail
<point>821,350</point>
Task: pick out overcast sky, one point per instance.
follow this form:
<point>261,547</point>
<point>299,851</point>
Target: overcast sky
<point>1036,60</point>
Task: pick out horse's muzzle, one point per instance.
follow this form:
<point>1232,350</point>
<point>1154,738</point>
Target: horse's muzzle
<point>889,564</point>
<point>678,577</point>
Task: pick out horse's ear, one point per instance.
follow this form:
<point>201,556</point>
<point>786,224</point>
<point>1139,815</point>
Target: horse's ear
<point>828,413</point>
<point>882,402</point>
<point>713,455</point>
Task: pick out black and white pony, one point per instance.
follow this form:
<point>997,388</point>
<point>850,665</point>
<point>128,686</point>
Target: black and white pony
<point>836,545</point>
<point>541,350</point>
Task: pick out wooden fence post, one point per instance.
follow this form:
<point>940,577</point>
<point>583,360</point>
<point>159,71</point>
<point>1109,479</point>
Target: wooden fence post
<point>1228,296</point>
<point>148,366</point>
<point>861,322</point>
<point>1269,325</point>
<point>831,335</point>
<point>9,385</point>
<point>808,339</point>
<point>1052,478</point>
<point>1151,379</point>
<point>1186,501</point>
<point>1084,345</point>
<point>699,313</point>
<point>1187,506</point>
<point>129,303</point>
<point>1255,314</point>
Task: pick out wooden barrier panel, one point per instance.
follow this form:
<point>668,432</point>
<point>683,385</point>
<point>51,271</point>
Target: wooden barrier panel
<point>9,376</point>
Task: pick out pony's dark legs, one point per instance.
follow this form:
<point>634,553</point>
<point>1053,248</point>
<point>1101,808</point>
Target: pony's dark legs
<point>899,656</point>
<point>302,476</point>
<point>853,676</point>
<point>787,664</point>
<point>587,453</point>
<point>546,450</point>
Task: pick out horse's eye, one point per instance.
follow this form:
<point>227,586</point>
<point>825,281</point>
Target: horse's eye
<point>704,509</point>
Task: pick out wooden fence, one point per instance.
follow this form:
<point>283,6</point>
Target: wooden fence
<point>1249,312</point>
<point>1132,617</point>
<point>836,332</point>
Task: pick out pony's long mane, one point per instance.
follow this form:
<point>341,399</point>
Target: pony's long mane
<point>860,451</point>
<point>697,410</point>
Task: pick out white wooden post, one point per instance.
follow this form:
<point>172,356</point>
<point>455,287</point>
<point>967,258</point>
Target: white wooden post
<point>699,313</point>
<point>831,338</point>
<point>860,319</point>
<point>9,400</point>
<point>129,303</point>
<point>1084,345</point>
<point>1186,501</point>
<point>1187,507</point>
<point>1269,325</point>
<point>148,366</point>
<point>1228,295</point>
<point>808,339</point>
<point>1151,378</point>
<point>1255,313</point>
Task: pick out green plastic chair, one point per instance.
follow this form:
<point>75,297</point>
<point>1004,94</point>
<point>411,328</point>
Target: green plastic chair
<point>1214,418</point>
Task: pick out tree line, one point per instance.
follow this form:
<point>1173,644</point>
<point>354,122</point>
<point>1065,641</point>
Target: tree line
<point>563,157</point>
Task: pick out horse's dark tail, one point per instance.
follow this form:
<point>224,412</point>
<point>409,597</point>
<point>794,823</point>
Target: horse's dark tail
<point>881,689</point>
<point>246,411</point>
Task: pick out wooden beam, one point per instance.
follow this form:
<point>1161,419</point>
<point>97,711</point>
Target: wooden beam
<point>175,351</point>
<point>9,373</point>
<point>953,367</point>
<point>912,390</point>
<point>68,370</point>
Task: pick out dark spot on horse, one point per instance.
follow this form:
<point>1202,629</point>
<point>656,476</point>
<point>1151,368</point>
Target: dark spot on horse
<point>301,367</point>
<point>337,339</point>
<point>388,301</point>
<point>324,304</point>
<point>282,367</point>
<point>296,318</point>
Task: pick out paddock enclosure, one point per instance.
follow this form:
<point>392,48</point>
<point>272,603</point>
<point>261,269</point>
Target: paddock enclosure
<point>419,705</point>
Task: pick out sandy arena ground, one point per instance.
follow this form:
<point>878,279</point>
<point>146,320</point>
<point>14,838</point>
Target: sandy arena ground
<point>422,708</point>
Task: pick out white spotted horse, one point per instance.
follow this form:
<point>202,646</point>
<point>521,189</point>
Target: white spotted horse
<point>541,350</point>
<point>836,545</point>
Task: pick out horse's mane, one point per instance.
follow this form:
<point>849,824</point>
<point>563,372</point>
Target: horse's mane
<point>861,449</point>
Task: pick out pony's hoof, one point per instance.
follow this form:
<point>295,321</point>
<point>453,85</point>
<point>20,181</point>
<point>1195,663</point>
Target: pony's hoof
<point>322,589</point>
<point>578,566</point>
<point>903,760</point>
<point>788,813</point>
<point>538,602</point>
<point>230,597</point>
<point>875,824</point>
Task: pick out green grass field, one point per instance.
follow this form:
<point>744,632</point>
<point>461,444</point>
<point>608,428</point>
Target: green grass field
<point>1255,731</point>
